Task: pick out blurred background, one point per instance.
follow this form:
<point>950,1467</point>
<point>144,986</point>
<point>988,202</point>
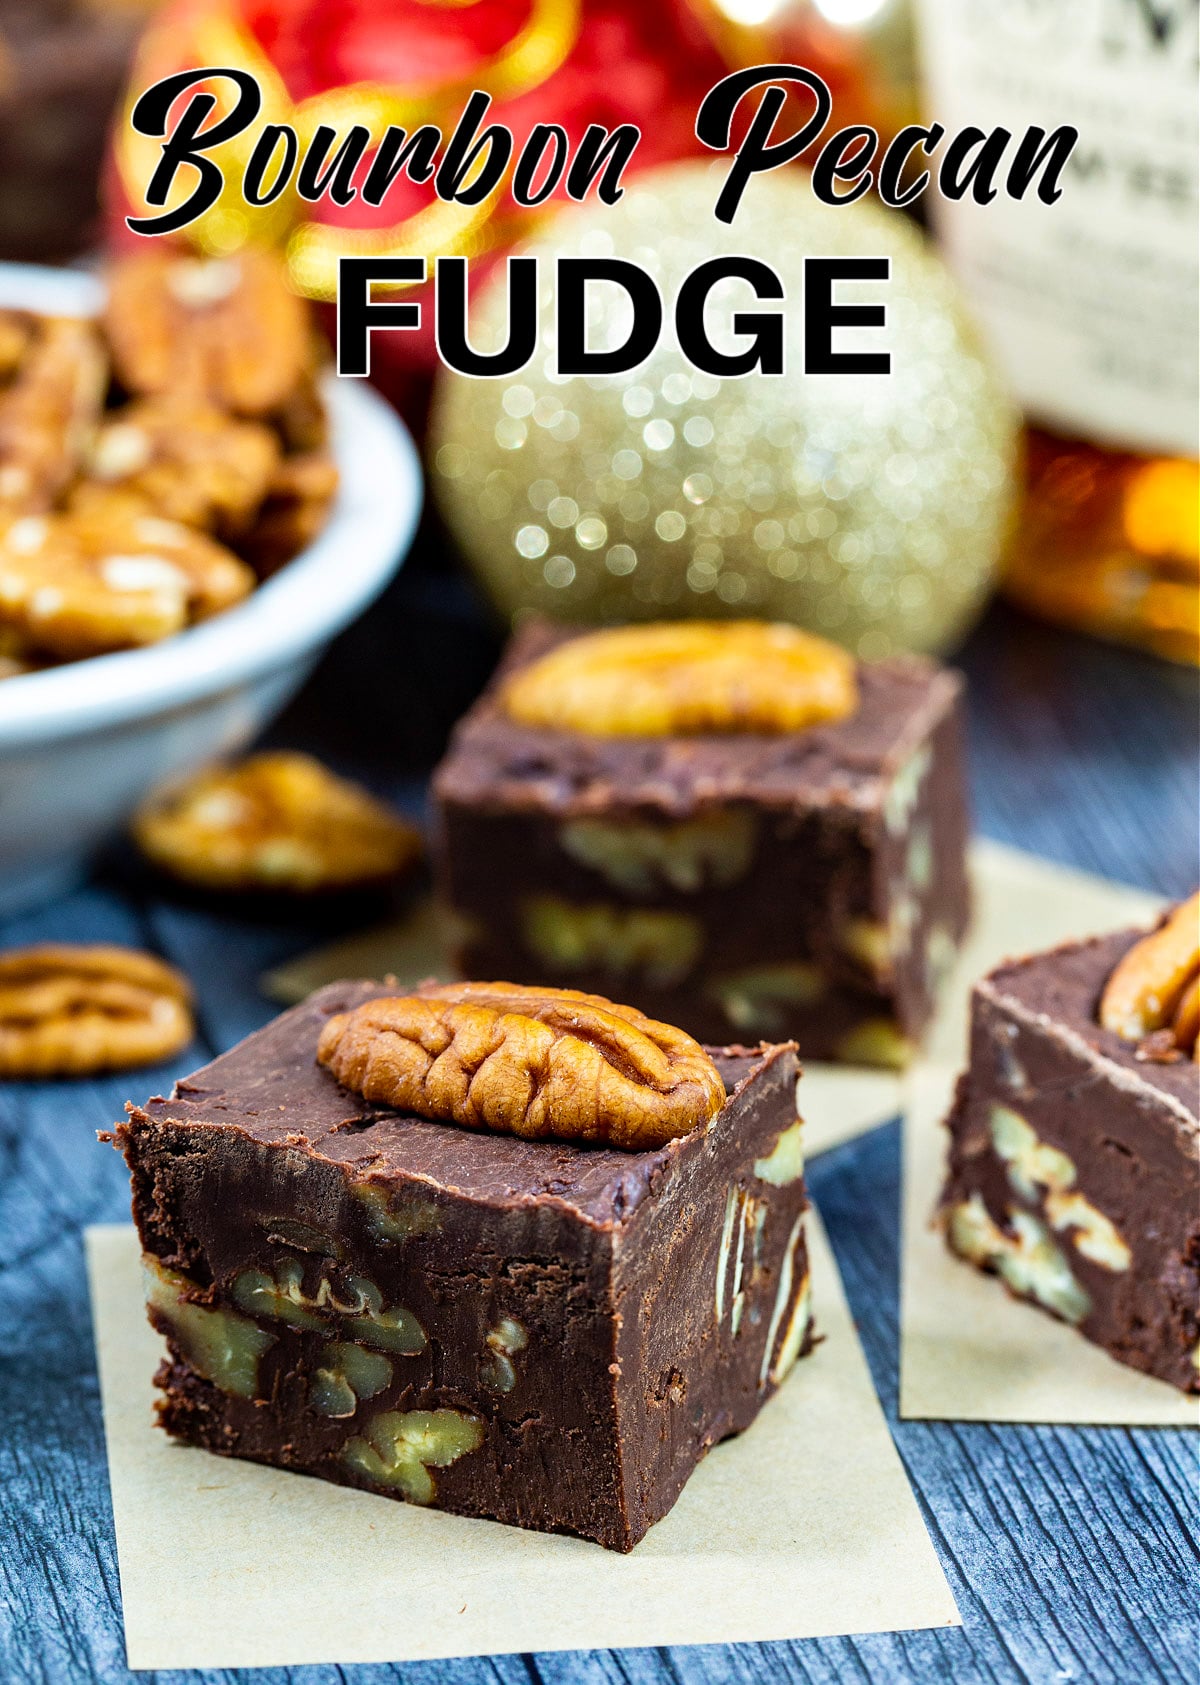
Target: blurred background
<point>1023,497</point>
<point>1088,312</point>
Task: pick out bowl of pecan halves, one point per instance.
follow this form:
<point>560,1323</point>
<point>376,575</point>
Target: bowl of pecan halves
<point>191,507</point>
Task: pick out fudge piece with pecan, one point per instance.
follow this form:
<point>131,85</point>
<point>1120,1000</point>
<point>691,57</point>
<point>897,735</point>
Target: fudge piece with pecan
<point>1074,1168</point>
<point>735,825</point>
<point>386,1281</point>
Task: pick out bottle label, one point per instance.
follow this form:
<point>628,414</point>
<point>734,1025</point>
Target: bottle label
<point>1091,303</point>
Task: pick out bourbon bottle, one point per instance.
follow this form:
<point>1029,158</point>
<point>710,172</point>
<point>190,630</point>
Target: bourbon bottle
<point>1090,303</point>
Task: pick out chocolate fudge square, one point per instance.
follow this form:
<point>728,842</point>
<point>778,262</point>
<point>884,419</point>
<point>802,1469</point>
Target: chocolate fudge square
<point>807,884</point>
<point>1073,1168</point>
<point>548,1334</point>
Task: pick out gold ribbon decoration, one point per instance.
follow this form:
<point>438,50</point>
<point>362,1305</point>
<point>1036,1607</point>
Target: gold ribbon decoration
<point>214,35</point>
<point>210,36</point>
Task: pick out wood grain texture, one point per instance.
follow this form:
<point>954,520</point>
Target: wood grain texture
<point>1072,1553</point>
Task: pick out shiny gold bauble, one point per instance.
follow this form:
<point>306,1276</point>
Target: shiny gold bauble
<point>869,508</point>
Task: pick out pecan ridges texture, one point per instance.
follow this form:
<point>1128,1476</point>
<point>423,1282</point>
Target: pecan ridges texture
<point>526,1061</point>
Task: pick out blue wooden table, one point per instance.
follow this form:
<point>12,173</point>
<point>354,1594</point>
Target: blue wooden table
<point>1072,1552</point>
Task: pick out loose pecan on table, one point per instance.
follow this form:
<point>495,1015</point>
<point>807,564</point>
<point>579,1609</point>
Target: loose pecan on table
<point>276,821</point>
<point>72,1010</point>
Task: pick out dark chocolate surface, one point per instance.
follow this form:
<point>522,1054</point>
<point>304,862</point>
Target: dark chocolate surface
<point>494,759</point>
<point>271,1087</point>
<point>1063,986</point>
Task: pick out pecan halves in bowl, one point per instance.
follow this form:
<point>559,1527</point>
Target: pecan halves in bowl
<point>52,376</point>
<point>294,509</point>
<point>1155,987</point>
<point>684,678</point>
<point>526,1061</point>
<point>73,1010</point>
<point>227,329</point>
<point>186,461</point>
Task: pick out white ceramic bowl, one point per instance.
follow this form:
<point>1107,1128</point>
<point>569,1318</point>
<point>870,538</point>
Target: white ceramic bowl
<point>80,745</point>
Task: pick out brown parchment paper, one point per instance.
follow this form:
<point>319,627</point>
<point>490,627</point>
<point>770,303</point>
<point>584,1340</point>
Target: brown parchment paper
<point>804,1525</point>
<point>1019,901</point>
<point>970,1352</point>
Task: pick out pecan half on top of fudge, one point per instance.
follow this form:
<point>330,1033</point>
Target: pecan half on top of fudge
<point>733,824</point>
<point>516,1252</point>
<point>1074,1168</point>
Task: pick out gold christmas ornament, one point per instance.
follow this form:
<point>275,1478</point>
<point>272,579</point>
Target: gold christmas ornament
<point>868,508</point>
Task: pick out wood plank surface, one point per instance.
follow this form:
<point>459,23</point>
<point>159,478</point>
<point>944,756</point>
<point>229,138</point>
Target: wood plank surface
<point>1072,1553</point>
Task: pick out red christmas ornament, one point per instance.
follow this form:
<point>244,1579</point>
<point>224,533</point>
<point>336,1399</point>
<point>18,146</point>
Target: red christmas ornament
<point>413,62</point>
<point>409,62</point>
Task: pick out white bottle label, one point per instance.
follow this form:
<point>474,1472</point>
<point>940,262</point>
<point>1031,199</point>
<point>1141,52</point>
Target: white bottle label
<point>1091,303</point>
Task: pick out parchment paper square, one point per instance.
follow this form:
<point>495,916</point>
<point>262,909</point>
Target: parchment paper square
<point>803,1526</point>
<point>1019,904</point>
<point>972,1353</point>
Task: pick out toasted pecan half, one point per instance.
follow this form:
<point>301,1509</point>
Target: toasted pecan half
<point>682,678</point>
<point>1155,987</point>
<point>534,1062</point>
<point>226,329</point>
<point>72,1010</point>
<point>275,821</point>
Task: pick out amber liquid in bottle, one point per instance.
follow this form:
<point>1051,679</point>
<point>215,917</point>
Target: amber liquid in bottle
<point>1109,541</point>
<point>1089,303</point>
